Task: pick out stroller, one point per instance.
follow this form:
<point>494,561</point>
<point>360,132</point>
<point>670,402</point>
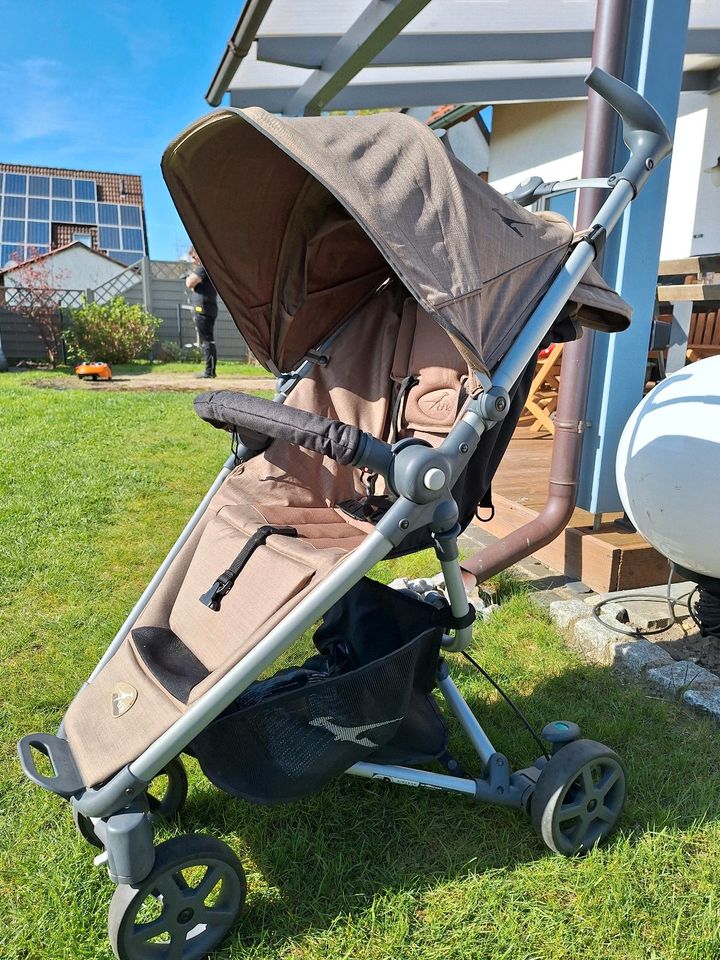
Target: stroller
<point>401,303</point>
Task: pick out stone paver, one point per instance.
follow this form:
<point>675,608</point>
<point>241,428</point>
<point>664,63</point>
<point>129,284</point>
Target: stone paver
<point>565,613</point>
<point>704,701</point>
<point>637,656</point>
<point>682,675</point>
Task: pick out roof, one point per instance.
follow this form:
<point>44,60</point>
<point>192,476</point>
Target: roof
<point>295,58</point>
<point>62,249</point>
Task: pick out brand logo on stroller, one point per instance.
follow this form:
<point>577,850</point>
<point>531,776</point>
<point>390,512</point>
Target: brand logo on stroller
<point>351,734</point>
<point>438,403</point>
<point>123,697</point>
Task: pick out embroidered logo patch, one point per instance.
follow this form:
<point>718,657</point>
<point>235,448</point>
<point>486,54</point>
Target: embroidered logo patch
<point>438,404</point>
<point>351,734</point>
<point>123,697</point>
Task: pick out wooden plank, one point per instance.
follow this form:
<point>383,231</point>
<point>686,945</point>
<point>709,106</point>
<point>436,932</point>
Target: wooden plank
<point>677,292</point>
<point>702,264</point>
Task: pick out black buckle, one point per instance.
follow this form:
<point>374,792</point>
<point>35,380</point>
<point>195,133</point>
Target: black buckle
<point>218,590</point>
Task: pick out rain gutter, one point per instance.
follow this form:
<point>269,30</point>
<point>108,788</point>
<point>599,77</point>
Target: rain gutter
<point>237,48</point>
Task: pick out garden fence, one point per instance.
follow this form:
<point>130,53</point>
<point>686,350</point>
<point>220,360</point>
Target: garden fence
<point>159,285</point>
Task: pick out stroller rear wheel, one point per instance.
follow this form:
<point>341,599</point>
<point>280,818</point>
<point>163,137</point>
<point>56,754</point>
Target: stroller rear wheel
<point>579,797</point>
<point>184,908</point>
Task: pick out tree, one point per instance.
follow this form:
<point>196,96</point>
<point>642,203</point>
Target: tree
<point>35,296</point>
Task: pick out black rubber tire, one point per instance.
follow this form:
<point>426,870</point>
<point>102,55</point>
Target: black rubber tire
<point>190,928</point>
<point>84,827</point>
<point>579,797</point>
<point>170,801</point>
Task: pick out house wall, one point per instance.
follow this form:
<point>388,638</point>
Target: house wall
<point>77,268</point>
<point>545,139</point>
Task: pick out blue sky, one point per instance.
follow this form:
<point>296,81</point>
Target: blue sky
<point>106,85</point>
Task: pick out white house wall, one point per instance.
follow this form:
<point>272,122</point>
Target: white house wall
<point>76,268</point>
<point>545,139</point>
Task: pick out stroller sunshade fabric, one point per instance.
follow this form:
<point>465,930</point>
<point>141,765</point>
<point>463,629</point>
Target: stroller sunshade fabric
<point>298,220</point>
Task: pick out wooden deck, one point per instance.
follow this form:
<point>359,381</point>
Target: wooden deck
<point>610,559</point>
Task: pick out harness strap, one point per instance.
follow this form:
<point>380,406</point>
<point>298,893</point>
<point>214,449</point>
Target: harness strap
<point>405,386</point>
<point>224,583</point>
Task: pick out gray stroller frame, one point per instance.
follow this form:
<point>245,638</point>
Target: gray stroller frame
<point>116,815</point>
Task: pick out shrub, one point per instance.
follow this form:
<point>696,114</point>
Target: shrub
<point>116,331</point>
<point>191,354</point>
<point>167,352</point>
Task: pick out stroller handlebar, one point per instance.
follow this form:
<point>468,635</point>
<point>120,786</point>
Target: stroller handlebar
<point>644,131</point>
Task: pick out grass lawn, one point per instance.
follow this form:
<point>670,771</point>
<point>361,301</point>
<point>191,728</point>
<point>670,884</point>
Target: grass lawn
<point>225,368</point>
<point>93,489</point>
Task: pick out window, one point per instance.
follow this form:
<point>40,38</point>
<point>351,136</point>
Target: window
<point>13,231</point>
<point>84,189</point>
<point>10,253</point>
<point>130,216</point>
<point>41,249</point>
<point>38,233</point>
<point>132,239</point>
<point>85,213</point>
<point>108,213</point>
<point>109,238</point>
<point>15,183</point>
<point>39,186</point>
<point>124,256</point>
<point>14,207</point>
<point>62,187</point>
<point>38,209</point>
<point>83,238</point>
<point>62,210</point>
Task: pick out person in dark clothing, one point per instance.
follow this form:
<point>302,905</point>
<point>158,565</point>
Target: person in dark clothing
<point>203,297</point>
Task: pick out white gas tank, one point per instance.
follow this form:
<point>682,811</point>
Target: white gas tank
<point>668,467</point>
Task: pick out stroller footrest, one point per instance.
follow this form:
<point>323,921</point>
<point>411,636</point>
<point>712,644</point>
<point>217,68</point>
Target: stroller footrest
<point>66,781</point>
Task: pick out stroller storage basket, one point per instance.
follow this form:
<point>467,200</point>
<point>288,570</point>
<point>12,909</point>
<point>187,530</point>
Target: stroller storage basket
<point>367,692</point>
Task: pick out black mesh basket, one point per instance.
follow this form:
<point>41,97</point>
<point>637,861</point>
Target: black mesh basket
<point>365,695</point>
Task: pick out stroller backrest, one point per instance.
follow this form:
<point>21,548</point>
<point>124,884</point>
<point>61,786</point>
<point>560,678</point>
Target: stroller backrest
<point>430,379</point>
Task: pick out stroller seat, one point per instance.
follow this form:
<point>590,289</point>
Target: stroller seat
<point>181,646</point>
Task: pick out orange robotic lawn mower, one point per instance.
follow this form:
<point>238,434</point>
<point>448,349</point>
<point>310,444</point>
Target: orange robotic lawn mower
<point>94,371</point>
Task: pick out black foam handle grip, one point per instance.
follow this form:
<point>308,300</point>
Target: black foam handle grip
<point>255,418</point>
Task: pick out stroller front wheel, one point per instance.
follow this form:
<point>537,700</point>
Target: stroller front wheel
<point>167,791</point>
<point>579,797</point>
<point>184,908</point>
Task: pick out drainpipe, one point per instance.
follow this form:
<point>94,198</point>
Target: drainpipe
<point>609,47</point>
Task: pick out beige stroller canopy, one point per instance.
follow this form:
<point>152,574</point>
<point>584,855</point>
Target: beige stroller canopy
<point>295,220</point>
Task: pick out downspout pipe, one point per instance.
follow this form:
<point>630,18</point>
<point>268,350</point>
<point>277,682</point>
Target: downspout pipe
<point>609,51</point>
<point>237,48</point>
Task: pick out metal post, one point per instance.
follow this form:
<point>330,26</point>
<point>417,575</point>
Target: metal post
<point>679,335</point>
<point>146,277</point>
<point>3,359</point>
<point>653,65</point>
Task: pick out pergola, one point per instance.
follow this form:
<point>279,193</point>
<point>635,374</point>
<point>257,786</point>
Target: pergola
<point>301,57</point>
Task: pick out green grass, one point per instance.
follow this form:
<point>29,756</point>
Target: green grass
<point>225,368</point>
<point>93,489</point>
